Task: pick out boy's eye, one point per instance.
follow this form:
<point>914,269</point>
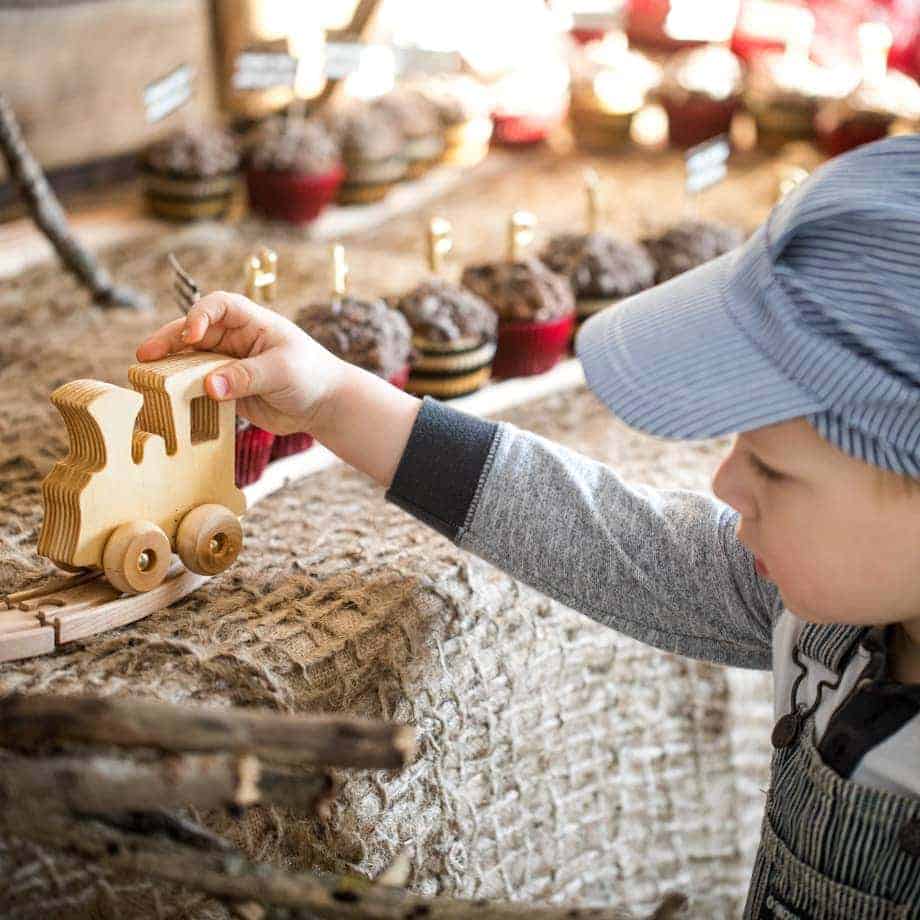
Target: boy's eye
<point>764,471</point>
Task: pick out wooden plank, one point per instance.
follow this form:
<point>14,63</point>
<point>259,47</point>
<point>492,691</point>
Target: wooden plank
<point>81,624</point>
<point>82,597</point>
<point>17,621</point>
<point>26,643</point>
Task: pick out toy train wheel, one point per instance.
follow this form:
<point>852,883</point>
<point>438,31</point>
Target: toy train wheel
<point>136,557</point>
<point>209,539</point>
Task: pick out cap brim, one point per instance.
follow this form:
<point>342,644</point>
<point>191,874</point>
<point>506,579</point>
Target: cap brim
<point>672,362</point>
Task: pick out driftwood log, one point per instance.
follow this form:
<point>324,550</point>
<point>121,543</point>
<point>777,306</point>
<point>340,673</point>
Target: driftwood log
<point>46,211</point>
<point>67,783</point>
<point>330,741</point>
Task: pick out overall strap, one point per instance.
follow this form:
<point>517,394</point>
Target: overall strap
<point>830,645</point>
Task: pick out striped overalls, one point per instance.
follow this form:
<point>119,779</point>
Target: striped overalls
<point>831,848</point>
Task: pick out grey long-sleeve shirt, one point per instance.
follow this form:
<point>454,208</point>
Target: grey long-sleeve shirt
<point>662,566</point>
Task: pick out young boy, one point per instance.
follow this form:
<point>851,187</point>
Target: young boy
<point>806,340</point>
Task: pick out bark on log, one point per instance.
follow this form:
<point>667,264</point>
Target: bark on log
<point>150,847</point>
<point>47,212</point>
<point>102,784</point>
<point>323,740</point>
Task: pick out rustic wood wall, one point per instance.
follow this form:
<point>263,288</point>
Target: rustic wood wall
<point>75,73</point>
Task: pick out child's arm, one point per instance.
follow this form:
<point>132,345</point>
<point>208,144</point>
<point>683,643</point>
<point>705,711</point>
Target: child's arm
<point>661,566</point>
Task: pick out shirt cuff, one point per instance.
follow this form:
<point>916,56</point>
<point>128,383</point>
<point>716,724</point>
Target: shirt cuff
<point>445,457</point>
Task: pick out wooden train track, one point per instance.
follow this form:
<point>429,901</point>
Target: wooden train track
<point>42,618</point>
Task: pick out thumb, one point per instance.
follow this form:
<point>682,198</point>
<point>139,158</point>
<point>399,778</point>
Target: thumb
<point>247,377</point>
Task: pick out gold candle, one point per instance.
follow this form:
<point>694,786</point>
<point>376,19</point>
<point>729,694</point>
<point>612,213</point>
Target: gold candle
<point>339,271</point>
<point>520,233</point>
<point>439,243</point>
<point>262,275</point>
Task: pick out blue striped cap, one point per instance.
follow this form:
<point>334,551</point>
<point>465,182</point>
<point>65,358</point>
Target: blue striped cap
<point>816,315</point>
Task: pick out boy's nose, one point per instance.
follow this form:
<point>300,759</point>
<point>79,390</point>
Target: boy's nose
<point>729,484</point>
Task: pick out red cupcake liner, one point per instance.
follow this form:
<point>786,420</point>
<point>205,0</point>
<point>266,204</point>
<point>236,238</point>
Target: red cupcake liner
<point>525,349</point>
<point>293,197</point>
<point>253,451</point>
<point>286,445</point>
<point>692,121</point>
<point>847,135</point>
<point>524,130</point>
<point>401,378</point>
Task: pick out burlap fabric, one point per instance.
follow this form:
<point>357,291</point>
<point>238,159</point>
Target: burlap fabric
<point>557,760</point>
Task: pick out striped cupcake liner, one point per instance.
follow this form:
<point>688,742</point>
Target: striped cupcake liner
<point>183,198</point>
<point>448,369</point>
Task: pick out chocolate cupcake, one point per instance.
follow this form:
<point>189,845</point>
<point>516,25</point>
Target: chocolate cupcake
<point>367,333</point>
<point>601,269</point>
<point>535,309</point>
<point>610,84</point>
<point>688,244</point>
<point>293,169</point>
<point>417,118</point>
<point>191,175</point>
<point>785,93</point>
<point>372,149</point>
<point>454,337</point>
<point>868,113</point>
<point>701,92</point>
<point>463,112</point>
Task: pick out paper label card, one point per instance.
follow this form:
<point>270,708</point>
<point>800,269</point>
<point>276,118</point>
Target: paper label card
<point>164,96</point>
<point>706,163</point>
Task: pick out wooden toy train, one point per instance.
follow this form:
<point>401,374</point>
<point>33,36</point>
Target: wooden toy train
<point>149,472</point>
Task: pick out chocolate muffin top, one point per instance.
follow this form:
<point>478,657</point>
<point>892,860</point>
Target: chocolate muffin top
<point>411,111</point>
<point>443,312</point>
<point>456,99</point>
<point>195,154</point>
<point>599,265</point>
<point>294,145</point>
<point>364,132</point>
<point>688,244</point>
<point>525,290</point>
<point>363,332</point>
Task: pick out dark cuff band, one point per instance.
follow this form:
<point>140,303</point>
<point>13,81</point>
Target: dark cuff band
<point>439,472</point>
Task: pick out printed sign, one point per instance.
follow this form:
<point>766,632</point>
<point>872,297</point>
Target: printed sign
<point>706,163</point>
<point>263,69</point>
<point>345,58</point>
<point>423,61</point>
<point>164,96</point>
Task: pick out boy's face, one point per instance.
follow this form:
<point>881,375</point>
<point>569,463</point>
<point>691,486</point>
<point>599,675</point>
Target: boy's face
<point>840,546</point>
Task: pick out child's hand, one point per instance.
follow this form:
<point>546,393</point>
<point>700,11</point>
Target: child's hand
<point>283,377</point>
<point>286,382</point>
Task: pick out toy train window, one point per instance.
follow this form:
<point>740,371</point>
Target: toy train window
<point>205,419</point>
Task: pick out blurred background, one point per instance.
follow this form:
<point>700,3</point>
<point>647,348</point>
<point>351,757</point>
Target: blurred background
<point>94,84</point>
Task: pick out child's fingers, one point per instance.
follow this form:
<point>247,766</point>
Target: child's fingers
<point>247,377</point>
<point>165,341</point>
<point>228,311</point>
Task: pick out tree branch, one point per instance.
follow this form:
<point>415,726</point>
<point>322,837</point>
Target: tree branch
<point>335,741</point>
<point>100,785</point>
<point>46,211</point>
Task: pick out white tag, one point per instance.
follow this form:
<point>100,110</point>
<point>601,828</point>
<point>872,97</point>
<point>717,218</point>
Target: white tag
<point>164,96</point>
<point>257,70</point>
<point>706,163</point>
<point>421,60</point>
<point>342,59</point>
